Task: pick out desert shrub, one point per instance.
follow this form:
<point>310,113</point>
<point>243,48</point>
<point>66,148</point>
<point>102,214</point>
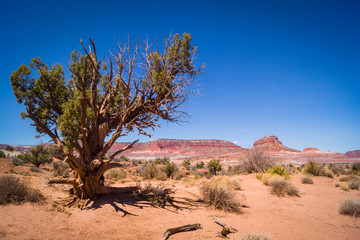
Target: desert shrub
<point>115,174</point>
<point>34,169</point>
<point>323,171</point>
<point>61,169</point>
<point>214,166</point>
<point>337,184</point>
<point>279,170</point>
<point>354,185</point>
<point>350,206</point>
<point>12,190</point>
<point>191,180</point>
<point>158,195</point>
<point>186,164</point>
<point>200,165</point>
<point>337,169</point>
<point>9,148</point>
<point>2,154</point>
<point>312,168</point>
<point>162,161</point>
<point>231,182</point>
<point>149,171</point>
<point>169,169</point>
<point>15,161</point>
<point>219,197</point>
<point>40,155</point>
<point>343,178</point>
<point>253,236</point>
<point>178,175</point>
<point>307,180</point>
<point>280,187</point>
<point>256,161</point>
<point>356,167</point>
<point>344,188</point>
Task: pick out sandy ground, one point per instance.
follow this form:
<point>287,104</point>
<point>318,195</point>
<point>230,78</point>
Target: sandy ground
<point>312,216</point>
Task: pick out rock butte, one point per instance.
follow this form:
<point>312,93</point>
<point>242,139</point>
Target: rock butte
<point>228,152</point>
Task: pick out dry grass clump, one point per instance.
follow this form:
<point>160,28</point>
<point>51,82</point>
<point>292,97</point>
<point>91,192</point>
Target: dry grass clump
<point>192,180</point>
<point>115,174</point>
<point>280,187</point>
<point>343,178</point>
<point>256,161</point>
<point>253,236</point>
<point>354,185</point>
<point>307,180</point>
<point>12,190</point>
<point>151,172</point>
<point>61,169</point>
<point>231,182</point>
<point>158,195</point>
<point>219,196</point>
<point>350,206</point>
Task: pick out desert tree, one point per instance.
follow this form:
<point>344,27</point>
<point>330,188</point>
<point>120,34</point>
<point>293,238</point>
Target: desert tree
<point>214,166</point>
<point>129,90</point>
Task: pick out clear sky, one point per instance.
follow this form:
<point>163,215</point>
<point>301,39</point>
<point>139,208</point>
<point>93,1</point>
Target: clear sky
<point>284,68</point>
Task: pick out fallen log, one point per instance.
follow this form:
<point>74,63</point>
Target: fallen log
<point>184,228</point>
<point>225,230</point>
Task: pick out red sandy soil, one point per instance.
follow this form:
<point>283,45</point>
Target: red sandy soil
<point>314,215</point>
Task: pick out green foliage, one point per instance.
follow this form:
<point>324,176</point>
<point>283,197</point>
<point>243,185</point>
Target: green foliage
<point>2,154</point>
<point>200,165</point>
<point>214,166</point>
<point>169,169</point>
<point>312,168</point>
<point>12,190</point>
<point>279,170</point>
<point>350,206</point>
<point>186,164</point>
<point>152,172</point>
<point>25,157</point>
<point>40,155</point>
<point>9,148</point>
<point>162,161</point>
<point>356,167</point>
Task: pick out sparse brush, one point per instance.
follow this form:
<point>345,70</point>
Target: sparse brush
<point>256,161</point>
<point>231,182</point>
<point>152,172</point>
<point>253,236</point>
<point>35,169</point>
<point>115,174</point>
<point>307,180</point>
<point>61,169</point>
<point>280,187</point>
<point>343,178</point>
<point>354,185</point>
<point>158,195</point>
<point>191,180</point>
<point>344,188</point>
<point>15,161</point>
<point>12,190</point>
<point>350,206</point>
<point>267,177</point>
<point>220,197</point>
<point>337,184</point>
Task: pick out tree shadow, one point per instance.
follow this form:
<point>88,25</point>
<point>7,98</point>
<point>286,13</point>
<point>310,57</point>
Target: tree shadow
<point>120,201</point>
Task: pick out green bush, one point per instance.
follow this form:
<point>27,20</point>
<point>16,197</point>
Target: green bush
<point>12,190</point>
<point>350,206</point>
<point>186,164</point>
<point>312,168</point>
<point>2,154</point>
<point>40,155</point>
<point>162,161</point>
<point>152,172</point>
<point>200,165</point>
<point>279,170</point>
<point>214,166</point>
<point>306,180</point>
<point>169,169</point>
<point>9,148</point>
<point>356,167</point>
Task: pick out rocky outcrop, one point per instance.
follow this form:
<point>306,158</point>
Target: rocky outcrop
<point>272,143</point>
<point>310,149</point>
<point>353,154</point>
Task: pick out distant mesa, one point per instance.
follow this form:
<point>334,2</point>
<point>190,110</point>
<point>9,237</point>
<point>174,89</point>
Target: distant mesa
<point>310,149</point>
<point>272,143</point>
<point>353,154</point>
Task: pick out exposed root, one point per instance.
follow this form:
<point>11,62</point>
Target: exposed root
<point>74,202</point>
<point>184,228</point>
<point>225,230</point>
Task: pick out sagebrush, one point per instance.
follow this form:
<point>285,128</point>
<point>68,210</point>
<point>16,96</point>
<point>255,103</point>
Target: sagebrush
<point>350,206</point>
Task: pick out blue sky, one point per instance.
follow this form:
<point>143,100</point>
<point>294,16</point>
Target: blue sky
<point>284,68</point>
